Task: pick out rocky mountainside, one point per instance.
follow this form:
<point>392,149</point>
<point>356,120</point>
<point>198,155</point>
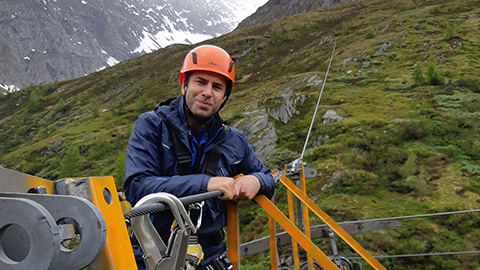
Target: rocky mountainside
<point>43,41</point>
<point>396,133</point>
<point>276,9</point>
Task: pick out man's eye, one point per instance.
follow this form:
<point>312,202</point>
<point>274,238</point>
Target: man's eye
<point>218,86</point>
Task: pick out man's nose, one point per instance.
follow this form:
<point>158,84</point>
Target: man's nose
<point>208,90</point>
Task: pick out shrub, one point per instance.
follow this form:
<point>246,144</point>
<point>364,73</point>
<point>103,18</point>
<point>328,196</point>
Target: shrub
<point>448,101</point>
<point>95,109</point>
<point>432,74</point>
<point>409,167</point>
<point>60,106</point>
<point>346,28</point>
<point>369,34</point>
<point>448,32</point>
<point>141,103</point>
<point>356,182</point>
<point>470,83</point>
<point>70,165</point>
<point>119,171</point>
<point>34,101</point>
<point>418,77</point>
<point>277,159</point>
<point>100,149</point>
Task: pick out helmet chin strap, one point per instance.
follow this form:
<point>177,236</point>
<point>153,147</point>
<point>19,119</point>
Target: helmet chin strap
<point>202,120</point>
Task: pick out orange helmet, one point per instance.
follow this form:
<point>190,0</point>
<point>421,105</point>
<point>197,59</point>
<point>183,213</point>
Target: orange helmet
<point>208,58</point>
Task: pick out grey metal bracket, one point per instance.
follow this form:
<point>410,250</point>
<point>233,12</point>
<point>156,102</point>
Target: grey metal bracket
<point>68,217</point>
<point>28,235</point>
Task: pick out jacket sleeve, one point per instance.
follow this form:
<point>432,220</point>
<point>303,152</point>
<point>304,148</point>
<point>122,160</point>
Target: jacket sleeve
<point>252,165</point>
<point>149,163</point>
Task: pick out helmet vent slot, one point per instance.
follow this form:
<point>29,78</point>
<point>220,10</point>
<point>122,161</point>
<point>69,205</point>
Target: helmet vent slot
<point>194,58</point>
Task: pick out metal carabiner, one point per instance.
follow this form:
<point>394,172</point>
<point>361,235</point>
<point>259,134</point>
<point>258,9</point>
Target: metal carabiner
<point>198,206</point>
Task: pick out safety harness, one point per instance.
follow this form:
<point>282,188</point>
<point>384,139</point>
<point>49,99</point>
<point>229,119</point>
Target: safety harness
<point>210,167</point>
<point>183,154</point>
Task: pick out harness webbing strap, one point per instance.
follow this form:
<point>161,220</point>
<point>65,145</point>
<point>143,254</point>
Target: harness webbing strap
<point>184,158</point>
<point>210,166</point>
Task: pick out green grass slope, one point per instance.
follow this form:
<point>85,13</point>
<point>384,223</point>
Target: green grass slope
<point>405,78</point>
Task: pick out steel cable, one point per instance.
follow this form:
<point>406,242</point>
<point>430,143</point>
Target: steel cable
<point>159,207</point>
<point>318,102</point>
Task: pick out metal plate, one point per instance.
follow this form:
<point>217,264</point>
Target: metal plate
<point>87,221</point>
<point>39,243</point>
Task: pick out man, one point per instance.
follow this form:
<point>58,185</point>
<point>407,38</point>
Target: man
<point>215,154</point>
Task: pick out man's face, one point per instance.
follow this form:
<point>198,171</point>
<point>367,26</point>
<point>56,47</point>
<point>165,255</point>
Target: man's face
<point>204,93</point>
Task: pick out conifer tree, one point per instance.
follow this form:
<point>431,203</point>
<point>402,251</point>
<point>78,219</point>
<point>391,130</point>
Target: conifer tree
<point>141,103</point>
<point>70,165</point>
<point>34,101</point>
<point>432,74</point>
<point>448,32</point>
<point>119,171</point>
<point>95,109</point>
<point>418,77</point>
<point>59,106</point>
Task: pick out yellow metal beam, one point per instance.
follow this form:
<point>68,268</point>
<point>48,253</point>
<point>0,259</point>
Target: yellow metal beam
<point>118,253</point>
<point>273,243</point>
<point>233,235</point>
<point>306,243</point>
<point>291,214</point>
<point>306,220</point>
<point>334,226</point>
<point>13,181</point>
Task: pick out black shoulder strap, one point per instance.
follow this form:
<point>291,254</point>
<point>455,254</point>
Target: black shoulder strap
<point>210,166</point>
<point>184,158</point>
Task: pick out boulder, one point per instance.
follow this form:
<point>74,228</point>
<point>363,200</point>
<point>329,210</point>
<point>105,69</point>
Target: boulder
<point>331,117</point>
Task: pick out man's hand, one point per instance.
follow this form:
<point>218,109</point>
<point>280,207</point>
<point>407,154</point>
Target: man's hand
<point>247,186</point>
<point>242,188</point>
<point>226,185</point>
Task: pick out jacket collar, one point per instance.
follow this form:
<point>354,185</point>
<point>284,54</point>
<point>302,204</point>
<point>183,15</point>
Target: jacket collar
<point>174,114</point>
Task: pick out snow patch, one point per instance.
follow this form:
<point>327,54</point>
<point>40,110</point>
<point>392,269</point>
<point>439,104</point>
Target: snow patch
<point>150,43</point>
<point>111,61</point>
<point>8,88</point>
<point>147,43</point>
<point>84,2</point>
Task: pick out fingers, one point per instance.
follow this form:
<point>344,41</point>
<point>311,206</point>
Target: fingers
<point>248,187</point>
<point>226,185</point>
<point>240,189</point>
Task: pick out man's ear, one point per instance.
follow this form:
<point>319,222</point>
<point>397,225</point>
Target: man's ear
<point>184,89</point>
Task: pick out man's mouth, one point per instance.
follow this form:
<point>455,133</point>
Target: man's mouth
<point>204,103</point>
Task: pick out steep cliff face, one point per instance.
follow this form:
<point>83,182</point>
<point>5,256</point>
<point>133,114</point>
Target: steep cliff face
<point>47,40</point>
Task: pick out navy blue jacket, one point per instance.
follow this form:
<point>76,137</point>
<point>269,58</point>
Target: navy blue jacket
<point>151,165</point>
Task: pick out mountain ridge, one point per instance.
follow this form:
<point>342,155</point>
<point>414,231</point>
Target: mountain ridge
<point>46,41</point>
<point>276,9</point>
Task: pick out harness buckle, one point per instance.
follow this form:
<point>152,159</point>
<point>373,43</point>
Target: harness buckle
<point>221,263</point>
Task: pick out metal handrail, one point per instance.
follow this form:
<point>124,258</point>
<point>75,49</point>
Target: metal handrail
<point>159,207</point>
